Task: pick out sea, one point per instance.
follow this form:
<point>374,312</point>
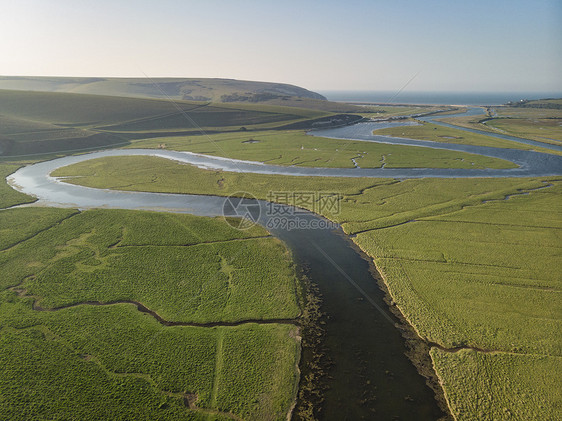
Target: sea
<point>454,98</point>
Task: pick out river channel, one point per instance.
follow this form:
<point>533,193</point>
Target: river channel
<point>370,376</point>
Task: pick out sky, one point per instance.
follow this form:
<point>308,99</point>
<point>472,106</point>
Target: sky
<point>424,45</point>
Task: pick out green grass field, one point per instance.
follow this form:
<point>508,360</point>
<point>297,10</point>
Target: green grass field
<point>543,130</point>
<point>63,357</point>
<point>462,269</point>
<point>436,133</point>
<point>116,363</point>
<point>537,120</point>
<point>202,274</point>
<point>500,386</point>
<point>297,148</point>
<point>9,196</point>
<point>471,263</point>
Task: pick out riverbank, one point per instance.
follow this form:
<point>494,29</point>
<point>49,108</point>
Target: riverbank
<point>367,373</point>
<point>417,349</point>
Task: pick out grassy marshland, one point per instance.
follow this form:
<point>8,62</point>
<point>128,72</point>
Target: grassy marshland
<point>473,264</point>
<point>9,196</point>
<point>62,356</point>
<point>297,148</point>
<point>436,133</point>
<point>538,120</point>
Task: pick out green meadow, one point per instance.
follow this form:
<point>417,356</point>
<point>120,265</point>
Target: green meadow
<point>9,196</point>
<point>297,148</point>
<point>546,130</point>
<point>91,257</point>
<point>537,120</point>
<point>75,345</point>
<point>500,385</point>
<point>472,264</point>
<point>437,133</point>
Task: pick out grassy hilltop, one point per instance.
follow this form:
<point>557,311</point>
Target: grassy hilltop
<point>196,89</point>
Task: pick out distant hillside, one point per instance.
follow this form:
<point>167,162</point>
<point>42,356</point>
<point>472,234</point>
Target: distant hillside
<point>44,122</point>
<point>195,89</point>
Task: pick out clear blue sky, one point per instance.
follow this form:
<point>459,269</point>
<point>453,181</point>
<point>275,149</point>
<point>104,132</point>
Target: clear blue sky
<point>494,45</point>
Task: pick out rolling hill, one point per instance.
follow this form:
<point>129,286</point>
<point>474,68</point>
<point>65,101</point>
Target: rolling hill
<point>195,89</point>
<point>45,122</point>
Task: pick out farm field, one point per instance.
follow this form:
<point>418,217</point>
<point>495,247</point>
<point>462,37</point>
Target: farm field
<point>472,264</point>
<point>297,148</point>
<point>75,345</point>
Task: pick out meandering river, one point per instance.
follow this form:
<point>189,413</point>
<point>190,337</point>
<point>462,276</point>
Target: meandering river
<point>370,376</point>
